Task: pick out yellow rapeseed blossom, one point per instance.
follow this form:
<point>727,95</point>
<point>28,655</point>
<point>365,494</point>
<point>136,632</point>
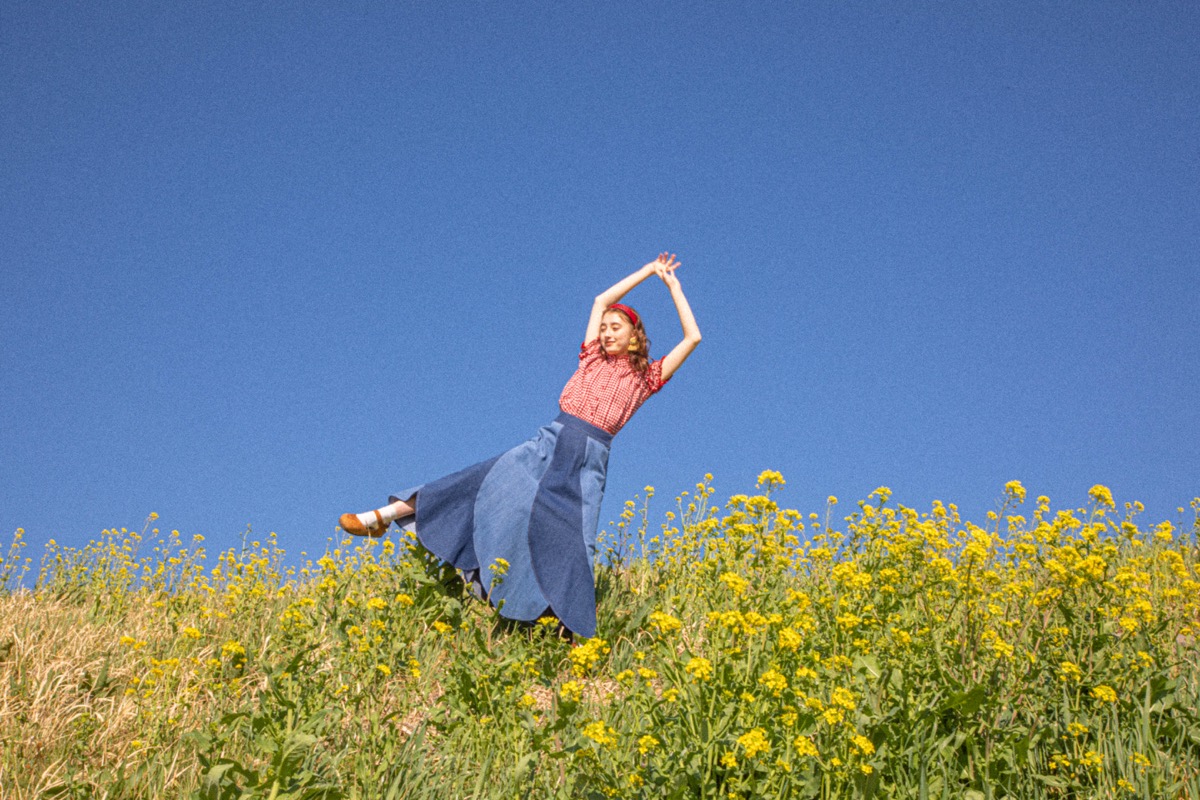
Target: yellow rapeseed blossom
<point>1102,496</point>
<point>844,698</point>
<point>862,744</point>
<point>754,742</point>
<point>789,639</point>
<point>770,478</point>
<point>571,691</point>
<point>587,655</point>
<point>699,668</point>
<point>647,743</point>
<point>664,622</point>
<point>600,733</point>
<point>1068,671</point>
<point>736,583</point>
<point>806,747</point>
<point>1105,694</point>
<point>1015,490</point>
<point>774,681</point>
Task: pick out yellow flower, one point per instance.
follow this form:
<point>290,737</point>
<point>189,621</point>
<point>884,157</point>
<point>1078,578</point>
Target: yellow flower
<point>1104,694</point>
<point>754,742</point>
<point>789,639</point>
<point>376,604</point>
<point>571,692</point>
<point>1102,496</point>
<point>442,627</point>
<point>736,583</point>
<point>647,743</point>
<point>844,698</point>
<point>862,744</point>
<point>774,681</point>
<point>805,747</point>
<point>587,655</point>
<point>1015,490</point>
<point>384,670</point>
<point>833,716</point>
<point>664,622</point>
<point>191,633</point>
<point>1068,671</point>
<point>771,478</point>
<point>600,733</point>
<point>699,668</point>
<point>729,760</point>
<point>527,701</point>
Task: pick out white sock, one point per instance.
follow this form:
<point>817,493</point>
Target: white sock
<point>388,514</point>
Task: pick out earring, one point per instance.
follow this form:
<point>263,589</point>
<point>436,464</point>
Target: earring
<point>633,345</point>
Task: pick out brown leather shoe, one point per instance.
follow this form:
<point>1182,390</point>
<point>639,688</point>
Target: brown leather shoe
<point>351,524</point>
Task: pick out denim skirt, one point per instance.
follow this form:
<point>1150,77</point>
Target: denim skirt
<point>536,508</point>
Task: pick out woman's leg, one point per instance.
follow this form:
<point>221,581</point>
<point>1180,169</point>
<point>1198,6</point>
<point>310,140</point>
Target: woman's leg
<point>374,523</point>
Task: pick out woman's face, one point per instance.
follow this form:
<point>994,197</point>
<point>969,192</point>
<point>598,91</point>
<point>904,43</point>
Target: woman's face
<point>615,333</point>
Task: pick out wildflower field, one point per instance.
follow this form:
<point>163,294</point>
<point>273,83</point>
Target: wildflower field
<point>744,650</point>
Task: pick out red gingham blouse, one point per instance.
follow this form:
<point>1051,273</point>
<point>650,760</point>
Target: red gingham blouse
<point>606,391</point>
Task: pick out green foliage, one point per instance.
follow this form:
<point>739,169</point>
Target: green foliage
<point>743,651</point>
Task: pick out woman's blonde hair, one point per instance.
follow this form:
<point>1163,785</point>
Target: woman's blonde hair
<point>639,357</point>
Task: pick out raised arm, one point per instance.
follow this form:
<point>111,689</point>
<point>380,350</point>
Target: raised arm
<point>691,331</point>
<point>621,288</point>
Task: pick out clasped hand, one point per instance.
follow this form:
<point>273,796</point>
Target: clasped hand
<point>664,266</point>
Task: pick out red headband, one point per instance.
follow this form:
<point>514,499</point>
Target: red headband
<point>627,311</point>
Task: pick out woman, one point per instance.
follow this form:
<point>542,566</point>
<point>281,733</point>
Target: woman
<point>522,526</point>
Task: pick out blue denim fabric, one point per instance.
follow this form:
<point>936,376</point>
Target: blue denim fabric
<point>536,506</point>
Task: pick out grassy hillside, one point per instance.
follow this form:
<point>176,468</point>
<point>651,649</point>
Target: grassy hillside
<point>744,651</point>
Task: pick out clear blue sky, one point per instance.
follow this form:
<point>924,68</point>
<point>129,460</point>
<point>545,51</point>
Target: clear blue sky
<point>263,263</point>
